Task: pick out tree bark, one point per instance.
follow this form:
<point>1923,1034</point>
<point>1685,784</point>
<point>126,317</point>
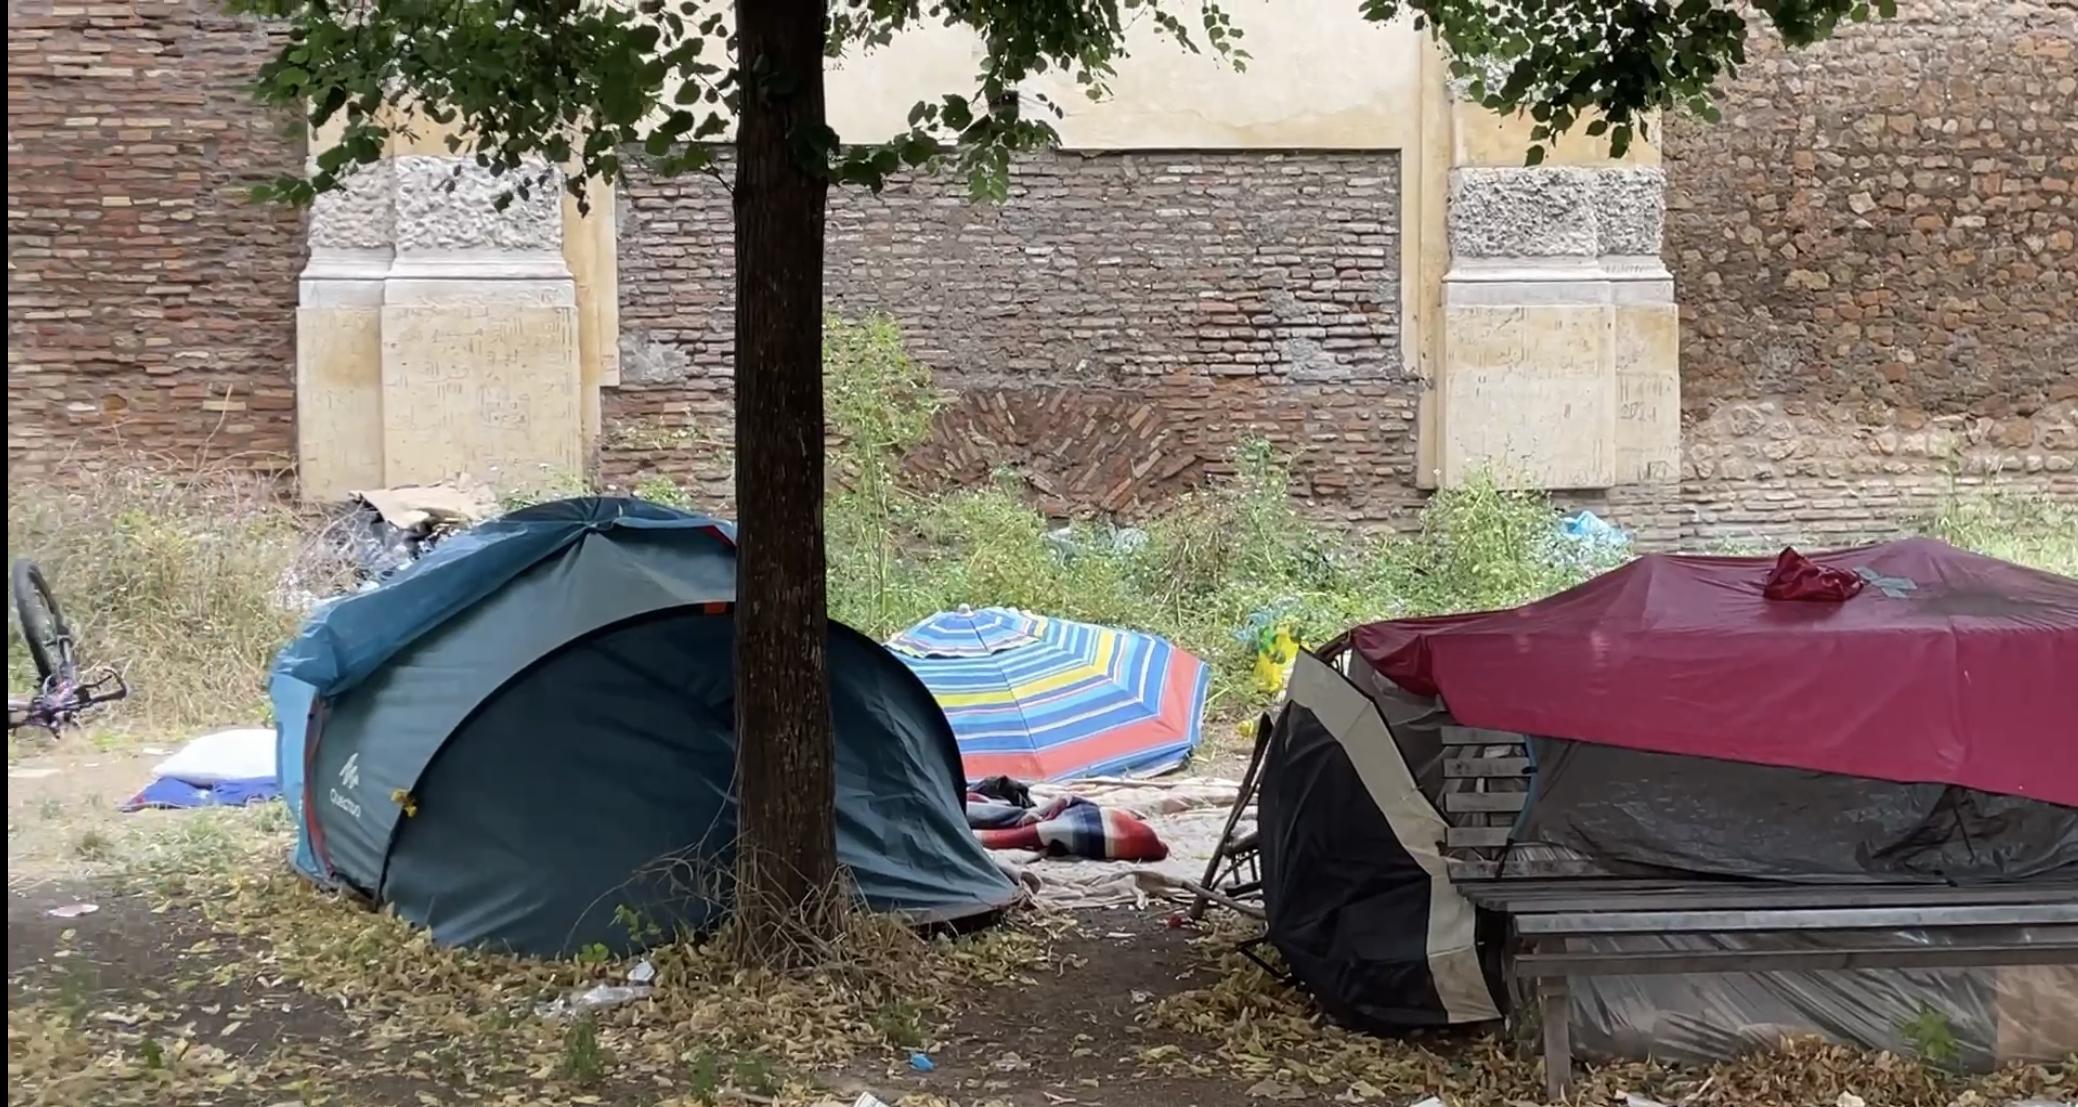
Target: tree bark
<point>785,752</point>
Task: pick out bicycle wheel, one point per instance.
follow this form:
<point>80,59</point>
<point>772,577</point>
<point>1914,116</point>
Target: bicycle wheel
<point>43,625</point>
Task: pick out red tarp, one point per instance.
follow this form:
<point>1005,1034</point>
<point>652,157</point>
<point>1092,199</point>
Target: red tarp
<point>1948,667</point>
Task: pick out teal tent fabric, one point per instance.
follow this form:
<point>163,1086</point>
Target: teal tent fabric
<point>532,729</point>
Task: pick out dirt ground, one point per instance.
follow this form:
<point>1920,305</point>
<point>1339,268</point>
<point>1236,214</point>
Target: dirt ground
<point>1078,1038</point>
<point>1076,1032</point>
<point>131,982</point>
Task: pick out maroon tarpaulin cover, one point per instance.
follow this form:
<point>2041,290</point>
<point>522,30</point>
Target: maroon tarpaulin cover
<point>1948,667</point>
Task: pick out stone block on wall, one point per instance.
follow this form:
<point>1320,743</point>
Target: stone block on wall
<point>352,238</point>
<point>338,400</point>
<point>1645,355</point>
<point>1530,395</point>
<point>486,391</point>
<point>440,335</point>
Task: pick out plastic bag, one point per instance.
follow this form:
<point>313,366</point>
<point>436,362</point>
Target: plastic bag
<point>1967,1018</point>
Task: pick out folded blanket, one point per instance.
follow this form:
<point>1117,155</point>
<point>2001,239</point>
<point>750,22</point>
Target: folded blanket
<point>1070,827</point>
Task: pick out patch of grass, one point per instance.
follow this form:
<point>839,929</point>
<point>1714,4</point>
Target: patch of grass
<point>757,1075</point>
<point>585,1060</point>
<point>92,844</point>
<point>2029,530</point>
<point>704,1076</point>
<point>173,577</point>
<point>1932,1038</point>
<point>540,485</point>
<point>901,1023</point>
<point>660,489</point>
<point>72,989</point>
<point>1215,572</point>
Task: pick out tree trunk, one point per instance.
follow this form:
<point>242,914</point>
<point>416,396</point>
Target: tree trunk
<point>785,753</point>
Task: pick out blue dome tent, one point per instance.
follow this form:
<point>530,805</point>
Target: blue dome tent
<point>532,728</point>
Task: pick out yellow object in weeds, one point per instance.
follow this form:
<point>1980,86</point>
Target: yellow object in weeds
<point>1273,662</point>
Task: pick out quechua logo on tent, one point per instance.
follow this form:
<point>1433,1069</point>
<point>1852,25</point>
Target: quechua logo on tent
<point>349,779</point>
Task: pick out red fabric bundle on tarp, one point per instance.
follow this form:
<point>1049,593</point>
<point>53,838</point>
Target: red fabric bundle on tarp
<point>1950,667</point>
<point>1796,577</point>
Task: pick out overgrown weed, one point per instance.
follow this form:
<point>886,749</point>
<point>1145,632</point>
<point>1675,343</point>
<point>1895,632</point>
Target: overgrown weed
<point>174,576</point>
<point>2030,530</point>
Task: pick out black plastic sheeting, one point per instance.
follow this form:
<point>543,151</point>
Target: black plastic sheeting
<point>1724,818</point>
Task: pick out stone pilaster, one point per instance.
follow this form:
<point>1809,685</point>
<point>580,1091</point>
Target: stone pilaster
<point>479,332</point>
<point>1560,331</point>
<point>438,335</point>
<point>339,336</point>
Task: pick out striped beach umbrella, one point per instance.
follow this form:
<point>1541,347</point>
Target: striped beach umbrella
<point>1054,699</point>
<point>967,633</point>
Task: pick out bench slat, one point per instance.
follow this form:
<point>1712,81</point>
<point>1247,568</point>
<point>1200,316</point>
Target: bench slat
<point>1527,897</point>
<point>1475,837</point>
<point>1477,736</point>
<point>1458,768</point>
<point>1504,802</point>
<point>1850,918</point>
<point>1958,956</point>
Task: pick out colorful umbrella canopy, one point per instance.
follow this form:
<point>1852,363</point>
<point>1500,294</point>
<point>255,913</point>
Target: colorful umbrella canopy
<point>967,633</point>
<point>1037,698</point>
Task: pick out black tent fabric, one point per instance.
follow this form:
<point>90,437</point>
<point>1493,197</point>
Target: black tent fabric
<point>1359,901</point>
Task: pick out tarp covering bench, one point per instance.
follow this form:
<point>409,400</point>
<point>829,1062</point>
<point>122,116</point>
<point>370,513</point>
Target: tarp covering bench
<point>1666,730</point>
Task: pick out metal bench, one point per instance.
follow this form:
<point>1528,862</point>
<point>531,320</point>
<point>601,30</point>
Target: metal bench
<point>1953,927</point>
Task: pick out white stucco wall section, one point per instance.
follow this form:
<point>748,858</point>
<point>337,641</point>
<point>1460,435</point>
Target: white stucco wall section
<point>1321,77</point>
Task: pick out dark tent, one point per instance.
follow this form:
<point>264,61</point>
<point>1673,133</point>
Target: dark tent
<point>531,730</point>
<point>1355,884</point>
<point>1677,724</point>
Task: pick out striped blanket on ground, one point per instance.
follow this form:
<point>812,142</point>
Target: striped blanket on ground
<point>1066,826</point>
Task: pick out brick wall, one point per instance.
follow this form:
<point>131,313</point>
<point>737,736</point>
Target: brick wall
<point>1876,254</point>
<point>149,306</point>
<point>1111,332</point>
<point>1874,251</point>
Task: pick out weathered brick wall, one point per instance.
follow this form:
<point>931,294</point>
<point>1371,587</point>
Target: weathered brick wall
<point>1876,254</point>
<point>1111,332</point>
<point>150,307</point>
